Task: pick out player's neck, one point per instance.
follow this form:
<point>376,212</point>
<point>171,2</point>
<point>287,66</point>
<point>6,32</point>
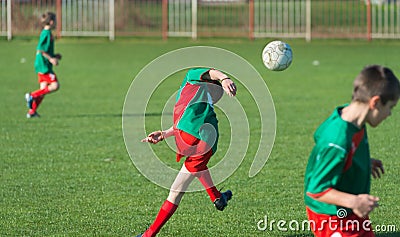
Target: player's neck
<point>356,113</point>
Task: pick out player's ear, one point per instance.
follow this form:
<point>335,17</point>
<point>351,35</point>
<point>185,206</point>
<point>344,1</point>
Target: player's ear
<point>374,101</point>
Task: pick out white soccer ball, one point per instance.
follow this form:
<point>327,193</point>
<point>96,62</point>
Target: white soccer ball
<point>277,55</point>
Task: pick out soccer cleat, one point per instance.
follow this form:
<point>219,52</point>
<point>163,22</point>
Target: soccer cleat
<point>29,100</point>
<point>222,202</point>
<point>34,115</point>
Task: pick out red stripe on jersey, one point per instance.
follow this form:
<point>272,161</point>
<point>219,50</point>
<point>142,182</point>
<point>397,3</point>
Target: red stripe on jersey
<point>355,142</point>
<point>317,195</point>
<point>187,93</point>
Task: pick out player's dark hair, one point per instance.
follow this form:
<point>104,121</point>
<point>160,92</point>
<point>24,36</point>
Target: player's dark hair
<point>47,17</point>
<point>376,80</point>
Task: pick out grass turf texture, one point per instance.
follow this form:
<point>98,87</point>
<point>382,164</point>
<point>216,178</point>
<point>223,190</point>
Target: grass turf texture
<point>68,173</point>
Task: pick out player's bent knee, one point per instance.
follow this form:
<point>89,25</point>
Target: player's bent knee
<point>54,87</point>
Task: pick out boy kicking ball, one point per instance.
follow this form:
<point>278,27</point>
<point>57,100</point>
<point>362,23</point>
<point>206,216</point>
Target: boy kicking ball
<point>338,174</point>
<point>196,135</point>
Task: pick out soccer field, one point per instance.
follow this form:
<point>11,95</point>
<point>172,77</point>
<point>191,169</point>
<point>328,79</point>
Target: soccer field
<point>68,173</point>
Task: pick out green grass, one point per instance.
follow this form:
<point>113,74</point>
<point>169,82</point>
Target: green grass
<point>69,174</point>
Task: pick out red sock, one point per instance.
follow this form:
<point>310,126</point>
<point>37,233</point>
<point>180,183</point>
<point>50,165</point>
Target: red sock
<point>40,92</point>
<point>35,104</point>
<point>205,179</point>
<point>166,211</point>
<point>213,193</point>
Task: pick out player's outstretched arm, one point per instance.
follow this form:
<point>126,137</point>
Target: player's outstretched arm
<point>158,136</point>
<point>227,84</point>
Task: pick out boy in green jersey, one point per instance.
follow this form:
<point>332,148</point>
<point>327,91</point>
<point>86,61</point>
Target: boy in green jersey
<point>195,128</point>
<point>338,174</point>
<point>45,59</point>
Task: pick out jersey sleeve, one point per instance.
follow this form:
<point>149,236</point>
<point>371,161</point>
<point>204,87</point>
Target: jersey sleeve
<point>327,169</point>
<point>44,41</point>
<point>195,75</point>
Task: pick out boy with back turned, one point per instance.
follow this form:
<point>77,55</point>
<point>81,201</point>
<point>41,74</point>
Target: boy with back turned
<point>338,174</point>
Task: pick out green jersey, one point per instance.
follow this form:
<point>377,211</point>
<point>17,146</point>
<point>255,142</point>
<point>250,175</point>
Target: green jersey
<point>46,44</point>
<point>194,110</point>
<point>339,160</point>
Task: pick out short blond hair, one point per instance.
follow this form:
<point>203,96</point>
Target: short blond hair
<point>376,80</point>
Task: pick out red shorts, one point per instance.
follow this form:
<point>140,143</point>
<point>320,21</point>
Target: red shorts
<point>197,152</point>
<point>324,225</point>
<point>47,77</point>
